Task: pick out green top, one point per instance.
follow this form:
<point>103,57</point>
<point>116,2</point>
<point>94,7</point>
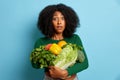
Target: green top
<point>75,39</point>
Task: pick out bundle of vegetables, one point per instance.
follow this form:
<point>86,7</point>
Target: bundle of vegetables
<point>62,55</point>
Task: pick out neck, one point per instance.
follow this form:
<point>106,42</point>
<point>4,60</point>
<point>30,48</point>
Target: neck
<point>58,37</point>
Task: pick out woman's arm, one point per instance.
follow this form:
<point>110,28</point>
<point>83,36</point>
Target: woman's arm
<point>78,67</point>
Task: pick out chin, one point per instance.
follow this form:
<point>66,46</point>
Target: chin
<point>58,32</point>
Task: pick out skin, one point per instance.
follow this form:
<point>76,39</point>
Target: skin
<point>59,26</point>
<point>59,23</point>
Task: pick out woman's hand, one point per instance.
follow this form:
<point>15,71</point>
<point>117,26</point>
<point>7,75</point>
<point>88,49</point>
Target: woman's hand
<point>56,72</point>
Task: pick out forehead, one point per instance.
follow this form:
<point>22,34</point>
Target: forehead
<point>56,13</point>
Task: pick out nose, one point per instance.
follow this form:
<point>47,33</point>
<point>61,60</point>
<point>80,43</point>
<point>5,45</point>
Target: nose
<point>59,21</point>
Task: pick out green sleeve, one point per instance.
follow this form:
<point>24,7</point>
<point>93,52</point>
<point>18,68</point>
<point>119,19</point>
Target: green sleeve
<point>36,45</point>
<point>78,67</point>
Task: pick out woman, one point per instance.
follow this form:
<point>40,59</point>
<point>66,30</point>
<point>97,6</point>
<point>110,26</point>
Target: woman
<point>59,22</point>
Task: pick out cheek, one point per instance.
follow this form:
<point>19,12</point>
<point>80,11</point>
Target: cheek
<point>64,23</point>
<point>54,23</point>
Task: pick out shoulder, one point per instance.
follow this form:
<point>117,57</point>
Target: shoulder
<point>77,39</point>
<point>39,41</point>
<point>75,36</point>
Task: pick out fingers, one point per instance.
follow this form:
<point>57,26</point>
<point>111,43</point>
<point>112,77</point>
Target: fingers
<point>52,74</point>
<point>50,71</point>
<point>51,67</point>
<point>54,68</point>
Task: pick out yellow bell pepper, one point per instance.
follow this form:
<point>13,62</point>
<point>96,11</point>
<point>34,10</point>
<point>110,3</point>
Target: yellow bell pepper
<point>62,43</point>
<point>55,49</point>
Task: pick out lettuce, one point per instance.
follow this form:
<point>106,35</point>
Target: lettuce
<point>69,55</point>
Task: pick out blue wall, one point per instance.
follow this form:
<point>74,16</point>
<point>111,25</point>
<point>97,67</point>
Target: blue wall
<point>100,29</point>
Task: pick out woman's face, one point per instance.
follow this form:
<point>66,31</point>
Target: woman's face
<point>58,21</point>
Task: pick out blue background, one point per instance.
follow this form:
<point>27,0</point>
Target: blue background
<point>99,31</point>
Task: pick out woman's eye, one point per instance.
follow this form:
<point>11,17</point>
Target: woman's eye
<point>63,18</point>
<point>54,18</point>
<point>57,19</point>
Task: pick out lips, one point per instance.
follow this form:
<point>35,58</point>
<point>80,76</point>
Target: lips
<point>59,27</point>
